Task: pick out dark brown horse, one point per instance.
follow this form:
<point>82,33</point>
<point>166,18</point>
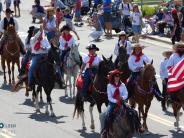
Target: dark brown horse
<point>142,92</point>
<point>177,104</point>
<point>11,53</point>
<point>98,94</point>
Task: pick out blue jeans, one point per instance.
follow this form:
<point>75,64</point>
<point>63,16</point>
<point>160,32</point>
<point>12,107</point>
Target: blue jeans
<point>89,73</point>
<point>25,60</point>
<point>35,59</point>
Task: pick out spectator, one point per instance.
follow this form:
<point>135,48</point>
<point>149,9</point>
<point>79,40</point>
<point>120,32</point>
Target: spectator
<point>136,18</point>
<point>7,3</point>
<point>17,7</point>
<point>125,8</point>
<point>107,9</point>
<point>97,33</point>
<point>59,17</point>
<point>96,3</point>
<point>182,22</point>
<point>177,29</point>
<point>85,7</point>
<point>1,8</point>
<point>37,12</point>
<point>77,11</point>
<point>58,3</point>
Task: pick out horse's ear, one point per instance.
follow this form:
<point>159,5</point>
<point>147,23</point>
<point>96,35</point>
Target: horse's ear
<point>152,62</point>
<point>104,58</point>
<point>111,57</point>
<point>144,63</point>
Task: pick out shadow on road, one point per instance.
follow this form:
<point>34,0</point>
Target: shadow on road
<point>29,102</point>
<point>151,135</point>
<point>168,113</point>
<point>65,100</point>
<point>1,73</point>
<point>88,135</point>
<point>6,87</point>
<point>41,117</point>
<point>177,133</point>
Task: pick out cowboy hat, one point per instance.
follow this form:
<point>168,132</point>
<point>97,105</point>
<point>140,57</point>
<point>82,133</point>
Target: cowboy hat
<point>50,9</point>
<point>8,10</point>
<point>65,27</point>
<point>178,44</point>
<point>138,46</point>
<point>165,53</point>
<point>113,73</point>
<point>92,46</point>
<point>122,33</point>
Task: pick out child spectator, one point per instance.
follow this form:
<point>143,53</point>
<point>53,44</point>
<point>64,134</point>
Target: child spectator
<point>59,17</point>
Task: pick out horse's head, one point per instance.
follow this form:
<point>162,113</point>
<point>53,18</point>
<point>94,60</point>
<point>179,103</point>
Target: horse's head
<point>54,55</point>
<point>148,72</point>
<point>106,65</point>
<point>11,30</point>
<point>123,56</point>
<point>74,55</point>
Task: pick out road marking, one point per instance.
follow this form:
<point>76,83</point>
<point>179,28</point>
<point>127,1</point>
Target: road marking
<point>7,134</point>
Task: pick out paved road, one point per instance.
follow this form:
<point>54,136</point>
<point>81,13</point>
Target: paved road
<point>17,110</point>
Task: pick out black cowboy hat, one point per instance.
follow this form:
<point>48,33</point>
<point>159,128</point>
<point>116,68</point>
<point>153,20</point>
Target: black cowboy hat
<point>8,10</point>
<point>65,27</point>
<point>92,46</point>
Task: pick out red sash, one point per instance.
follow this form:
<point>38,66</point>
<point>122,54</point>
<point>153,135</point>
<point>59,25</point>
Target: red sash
<point>38,43</point>
<point>92,58</point>
<point>67,39</point>
<point>138,56</point>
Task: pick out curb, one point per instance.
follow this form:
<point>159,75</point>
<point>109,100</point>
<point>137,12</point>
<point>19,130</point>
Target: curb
<point>160,40</point>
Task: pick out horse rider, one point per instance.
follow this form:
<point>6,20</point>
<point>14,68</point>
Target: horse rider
<point>122,42</point>
<point>89,66</point>
<point>31,32</point>
<point>164,75</point>
<point>9,20</point>
<point>39,48</point>
<point>49,23</point>
<point>117,93</point>
<point>136,63</point>
<point>177,56</point>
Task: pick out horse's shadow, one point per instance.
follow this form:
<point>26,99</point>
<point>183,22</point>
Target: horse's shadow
<point>65,100</point>
<point>151,135</point>
<point>177,133</point>
<point>84,134</point>
<point>6,87</point>
<point>1,73</point>
<point>42,117</point>
<point>29,102</point>
<point>168,113</point>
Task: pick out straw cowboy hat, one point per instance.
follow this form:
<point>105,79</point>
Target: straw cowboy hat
<point>179,44</point>
<point>122,33</point>
<point>167,53</point>
<point>138,46</point>
<point>113,73</point>
<point>92,46</point>
<point>50,9</point>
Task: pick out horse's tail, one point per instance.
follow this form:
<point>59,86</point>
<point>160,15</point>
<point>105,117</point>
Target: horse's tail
<point>79,107</point>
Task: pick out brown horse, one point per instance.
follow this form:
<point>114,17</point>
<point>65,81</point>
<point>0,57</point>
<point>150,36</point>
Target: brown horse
<point>11,53</point>
<point>142,92</point>
<point>177,104</point>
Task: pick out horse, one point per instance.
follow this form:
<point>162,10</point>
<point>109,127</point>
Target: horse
<point>71,68</point>
<point>142,92</point>
<point>11,53</point>
<point>98,94</point>
<point>123,125</point>
<point>45,76</point>
<point>177,103</point>
<point>123,64</point>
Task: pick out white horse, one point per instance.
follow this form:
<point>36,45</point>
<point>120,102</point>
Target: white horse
<point>71,68</point>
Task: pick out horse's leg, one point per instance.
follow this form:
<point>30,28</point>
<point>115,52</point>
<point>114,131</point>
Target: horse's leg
<point>176,110</point>
<point>74,79</point>
<point>4,68</point>
<point>141,111</point>
<point>91,115</point>
<point>41,97</point>
<point>36,102</point>
<point>27,92</point>
<point>13,77</point>
<point>146,114</point>
<point>70,85</point>
<point>66,82</point>
<point>49,101</point>
<point>34,94</point>
<point>83,122</point>
<point>99,108</point>
<point>9,71</point>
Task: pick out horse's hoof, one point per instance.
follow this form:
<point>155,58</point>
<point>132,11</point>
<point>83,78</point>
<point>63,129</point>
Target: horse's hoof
<point>92,126</point>
<point>176,124</point>
<point>47,112</point>
<point>41,101</point>
<point>38,111</point>
<point>53,115</point>
<point>84,128</point>
<point>26,94</point>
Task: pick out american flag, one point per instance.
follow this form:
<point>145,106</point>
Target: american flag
<point>176,77</point>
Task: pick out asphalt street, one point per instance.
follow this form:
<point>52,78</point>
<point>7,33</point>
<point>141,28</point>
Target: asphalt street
<point>17,112</point>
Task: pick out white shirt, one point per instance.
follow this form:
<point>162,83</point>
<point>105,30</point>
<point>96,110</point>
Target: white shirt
<point>111,89</point>
<point>125,10</point>
<point>2,25</point>
<point>44,44</point>
<point>62,43</point>
<point>133,65</point>
<point>136,18</point>
<point>163,69</point>
<point>50,24</point>
<point>174,59</point>
<point>128,47</point>
<point>96,61</point>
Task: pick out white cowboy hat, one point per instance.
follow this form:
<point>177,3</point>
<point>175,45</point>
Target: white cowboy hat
<point>179,44</point>
<point>122,33</point>
<point>166,53</point>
